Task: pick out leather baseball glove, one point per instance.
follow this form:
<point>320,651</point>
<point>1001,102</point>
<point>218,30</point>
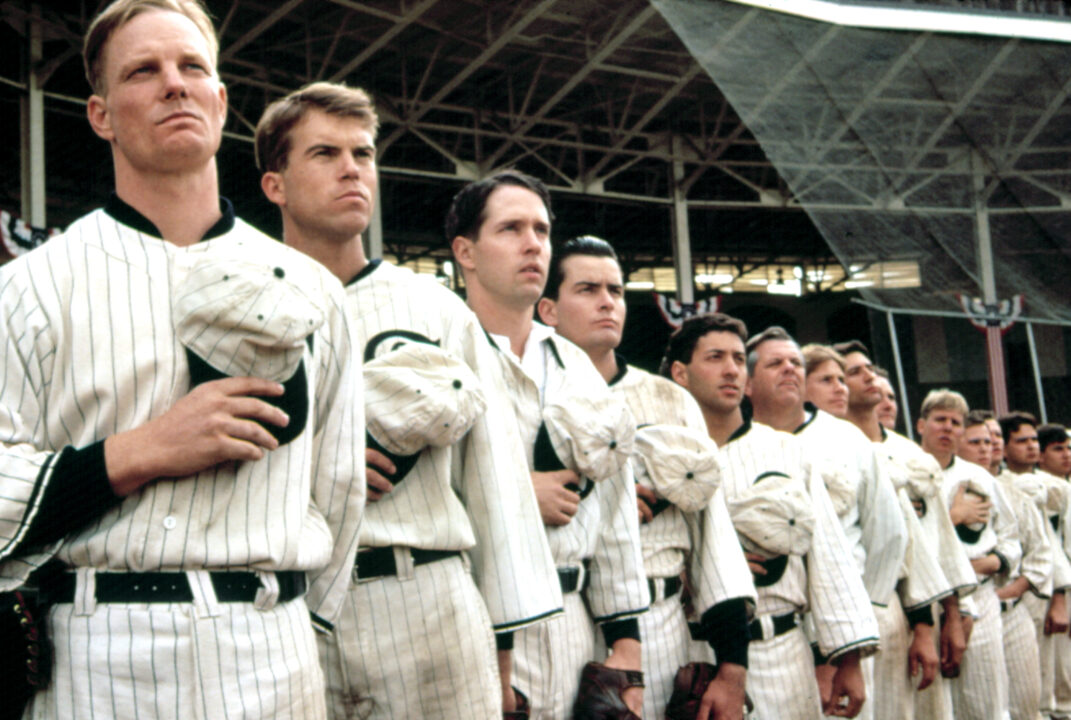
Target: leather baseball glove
<point>688,688</point>
<point>599,697</point>
<point>523,711</point>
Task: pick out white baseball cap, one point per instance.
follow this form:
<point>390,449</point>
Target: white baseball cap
<point>593,436</point>
<point>416,396</point>
<point>246,308</point>
<point>774,516</point>
<point>680,464</point>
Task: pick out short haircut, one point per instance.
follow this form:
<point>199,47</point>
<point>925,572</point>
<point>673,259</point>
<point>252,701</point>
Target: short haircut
<point>881,372</point>
<point>466,214</point>
<point>850,346</point>
<point>976,417</point>
<point>944,399</point>
<point>584,245</point>
<point>1013,421</point>
<point>1051,433</point>
<point>816,355</point>
<point>683,341</point>
<point>987,415</point>
<point>272,141</point>
<point>119,13</point>
<point>774,332</point>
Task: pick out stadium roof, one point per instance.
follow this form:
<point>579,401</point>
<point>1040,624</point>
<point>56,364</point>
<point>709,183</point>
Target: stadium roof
<point>619,104</point>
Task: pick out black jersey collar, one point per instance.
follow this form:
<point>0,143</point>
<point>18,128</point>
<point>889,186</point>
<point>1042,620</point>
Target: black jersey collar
<point>127,215</point>
<point>365,271</point>
<point>745,427</point>
<point>810,413</point>
<point>622,368</point>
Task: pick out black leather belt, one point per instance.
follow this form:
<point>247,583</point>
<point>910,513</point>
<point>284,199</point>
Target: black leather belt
<point>379,561</point>
<point>569,579</point>
<point>672,585</point>
<point>1006,605</point>
<point>174,587</point>
<point>781,625</point>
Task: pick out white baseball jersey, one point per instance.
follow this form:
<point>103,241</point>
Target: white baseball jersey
<point>922,583</point>
<point>981,690</point>
<point>939,539</point>
<point>90,350</point>
<point>874,524</point>
<point>826,582</point>
<point>602,540</point>
<point>417,645</point>
<point>702,543</point>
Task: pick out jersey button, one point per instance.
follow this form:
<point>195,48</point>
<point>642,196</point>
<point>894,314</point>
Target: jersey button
<point>170,522</point>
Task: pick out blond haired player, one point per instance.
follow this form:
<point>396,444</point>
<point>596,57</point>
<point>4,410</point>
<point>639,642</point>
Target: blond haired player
<point>183,523</point>
<point>990,540</point>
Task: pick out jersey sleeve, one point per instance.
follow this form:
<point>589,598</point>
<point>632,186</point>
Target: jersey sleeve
<point>1006,528</point>
<point>511,561</point>
<point>26,469</point>
<point>843,618</point>
<point>1036,564</point>
<point>924,582</point>
<point>617,586</point>
<point>338,470</point>
<point>882,522</point>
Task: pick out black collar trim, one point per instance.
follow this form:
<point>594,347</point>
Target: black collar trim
<point>365,271</point>
<point>127,215</point>
<point>622,368</point>
<point>810,414</point>
<point>745,428</point>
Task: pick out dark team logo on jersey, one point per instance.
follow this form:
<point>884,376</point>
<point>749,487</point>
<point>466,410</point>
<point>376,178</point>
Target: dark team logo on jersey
<point>390,340</point>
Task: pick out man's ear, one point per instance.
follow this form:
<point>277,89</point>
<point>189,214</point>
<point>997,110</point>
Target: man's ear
<point>679,373</point>
<point>747,387</point>
<point>99,120</point>
<point>274,188</point>
<point>919,425</point>
<point>548,311</point>
<point>463,252</point>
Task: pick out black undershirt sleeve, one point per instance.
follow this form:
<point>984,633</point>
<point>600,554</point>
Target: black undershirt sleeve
<point>619,629</point>
<point>725,627</point>
<point>504,640</point>
<point>78,493</point>
<point>922,615</point>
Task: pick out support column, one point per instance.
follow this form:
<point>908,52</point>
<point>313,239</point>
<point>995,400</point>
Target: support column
<point>373,234</point>
<point>32,121</point>
<point>998,389</point>
<point>905,405</point>
<point>682,240</point>
<point>1037,372</point>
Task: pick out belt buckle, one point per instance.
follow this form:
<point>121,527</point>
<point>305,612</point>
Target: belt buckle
<point>356,563</point>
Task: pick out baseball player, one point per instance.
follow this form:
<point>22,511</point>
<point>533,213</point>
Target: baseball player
<point>1040,501</point>
<point>183,520</point>
<point>937,567</point>
<point>981,689</point>
<point>887,409</point>
<point>499,230</point>
<point>454,548</point>
<point>706,356</point>
<point>584,302</point>
<point>862,495</point>
<point>1055,461</point>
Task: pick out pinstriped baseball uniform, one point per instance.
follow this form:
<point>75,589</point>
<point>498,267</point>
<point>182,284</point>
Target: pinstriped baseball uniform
<point>603,535</point>
<point>781,669</point>
<point>703,543</point>
<point>90,350</point>
<point>981,690</point>
<point>922,583</point>
<point>420,644</point>
<point>1052,647</point>
<point>1021,649</point>
<point>874,524</point>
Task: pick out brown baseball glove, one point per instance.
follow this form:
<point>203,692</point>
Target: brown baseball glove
<point>599,697</point>
<point>688,688</point>
<point>523,710</point>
